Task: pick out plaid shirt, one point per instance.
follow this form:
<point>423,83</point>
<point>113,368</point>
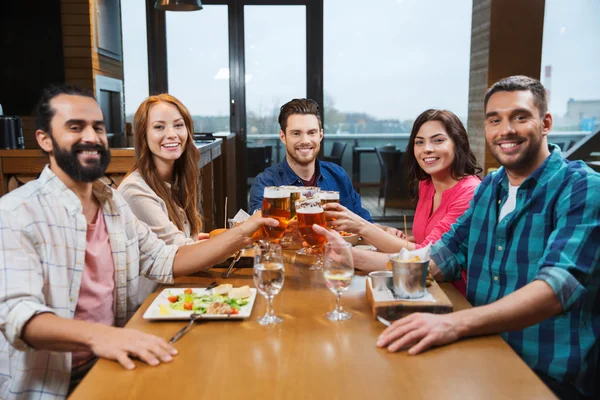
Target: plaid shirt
<point>42,253</point>
<point>552,235</point>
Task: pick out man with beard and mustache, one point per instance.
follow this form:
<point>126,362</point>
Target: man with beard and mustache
<point>301,133</point>
<point>530,246</point>
<point>71,255</point>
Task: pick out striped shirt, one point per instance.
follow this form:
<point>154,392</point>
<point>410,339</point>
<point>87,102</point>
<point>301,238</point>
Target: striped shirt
<point>42,255</point>
<point>553,235</point>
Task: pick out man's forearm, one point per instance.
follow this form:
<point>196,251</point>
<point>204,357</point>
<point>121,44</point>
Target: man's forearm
<point>50,332</point>
<point>203,255</point>
<point>527,306</point>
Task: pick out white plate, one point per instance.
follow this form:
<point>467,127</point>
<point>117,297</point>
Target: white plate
<point>153,312</point>
<point>366,247</point>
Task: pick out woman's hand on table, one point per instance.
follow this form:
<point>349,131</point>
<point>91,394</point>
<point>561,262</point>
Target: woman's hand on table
<point>345,220</point>
<point>120,344</point>
<point>419,332</point>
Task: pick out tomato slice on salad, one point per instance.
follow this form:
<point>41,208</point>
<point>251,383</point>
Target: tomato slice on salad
<point>173,299</point>
<point>187,291</point>
<point>188,306</point>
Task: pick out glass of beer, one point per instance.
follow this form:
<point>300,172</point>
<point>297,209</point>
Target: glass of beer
<point>309,212</point>
<point>276,204</point>
<point>329,196</point>
<point>291,238</point>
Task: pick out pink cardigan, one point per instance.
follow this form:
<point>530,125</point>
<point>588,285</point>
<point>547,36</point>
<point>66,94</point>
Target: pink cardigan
<point>429,227</point>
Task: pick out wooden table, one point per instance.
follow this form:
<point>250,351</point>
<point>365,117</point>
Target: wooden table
<point>309,357</point>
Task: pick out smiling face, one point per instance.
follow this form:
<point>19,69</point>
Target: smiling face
<point>302,138</point>
<point>77,143</point>
<point>166,132</point>
<point>515,132</point>
<point>434,150</point>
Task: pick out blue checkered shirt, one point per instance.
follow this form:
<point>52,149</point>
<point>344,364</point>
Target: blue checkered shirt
<point>553,235</point>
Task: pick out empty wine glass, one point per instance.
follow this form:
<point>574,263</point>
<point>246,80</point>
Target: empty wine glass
<point>269,275</point>
<point>338,270</point>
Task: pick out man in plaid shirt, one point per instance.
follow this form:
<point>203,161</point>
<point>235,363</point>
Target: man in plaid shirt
<point>71,254</point>
<point>530,243</point>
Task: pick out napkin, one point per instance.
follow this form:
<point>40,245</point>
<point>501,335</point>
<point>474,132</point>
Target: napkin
<point>240,217</point>
<point>423,253</point>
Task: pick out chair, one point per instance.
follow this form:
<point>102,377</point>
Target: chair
<point>394,178</point>
<point>337,152</point>
<point>259,159</point>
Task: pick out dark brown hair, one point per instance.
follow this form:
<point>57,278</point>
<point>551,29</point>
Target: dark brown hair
<point>298,106</point>
<point>184,190</point>
<point>464,163</point>
<point>520,82</point>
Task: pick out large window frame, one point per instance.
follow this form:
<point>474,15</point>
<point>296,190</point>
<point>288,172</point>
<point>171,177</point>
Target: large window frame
<point>158,68</point>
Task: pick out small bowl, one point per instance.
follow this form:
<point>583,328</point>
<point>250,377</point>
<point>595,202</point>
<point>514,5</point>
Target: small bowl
<point>352,239</point>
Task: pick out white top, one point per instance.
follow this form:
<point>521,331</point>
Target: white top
<point>151,209</point>
<point>42,255</point>
<point>511,202</point>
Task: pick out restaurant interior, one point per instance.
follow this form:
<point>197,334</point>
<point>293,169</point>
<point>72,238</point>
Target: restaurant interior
<point>372,67</point>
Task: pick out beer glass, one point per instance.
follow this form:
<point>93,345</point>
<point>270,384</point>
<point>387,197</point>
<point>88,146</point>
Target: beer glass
<point>329,196</point>
<point>292,238</point>
<point>338,271</point>
<point>309,212</point>
<point>276,204</point>
<point>269,275</point>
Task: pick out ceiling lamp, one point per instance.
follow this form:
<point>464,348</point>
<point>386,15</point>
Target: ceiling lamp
<point>178,5</point>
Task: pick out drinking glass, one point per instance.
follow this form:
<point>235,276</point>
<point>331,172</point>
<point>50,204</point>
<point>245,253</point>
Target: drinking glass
<point>276,204</point>
<point>292,236</point>
<point>329,196</point>
<point>309,212</point>
<point>338,270</point>
<point>269,275</point>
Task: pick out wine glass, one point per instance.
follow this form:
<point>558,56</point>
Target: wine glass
<point>338,270</point>
<point>310,212</point>
<point>269,275</point>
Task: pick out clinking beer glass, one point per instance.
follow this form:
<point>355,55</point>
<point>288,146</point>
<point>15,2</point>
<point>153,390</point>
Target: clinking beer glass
<point>329,196</point>
<point>291,238</point>
<point>309,212</point>
<point>276,204</point>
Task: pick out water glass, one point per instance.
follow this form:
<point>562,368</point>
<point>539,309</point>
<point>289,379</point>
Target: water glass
<point>338,270</point>
<point>269,275</point>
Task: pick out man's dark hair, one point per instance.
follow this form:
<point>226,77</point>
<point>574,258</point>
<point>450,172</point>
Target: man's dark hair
<point>520,82</point>
<point>44,112</point>
<point>298,106</point>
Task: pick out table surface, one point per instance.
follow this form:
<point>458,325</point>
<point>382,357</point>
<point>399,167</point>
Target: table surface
<point>309,357</point>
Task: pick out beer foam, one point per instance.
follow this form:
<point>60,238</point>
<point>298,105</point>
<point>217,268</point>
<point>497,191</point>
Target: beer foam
<point>293,189</point>
<point>309,210</point>
<point>329,195</point>
<point>273,192</point>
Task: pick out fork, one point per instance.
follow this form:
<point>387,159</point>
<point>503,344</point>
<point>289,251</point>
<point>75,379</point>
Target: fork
<point>185,329</point>
<point>236,257</point>
<point>383,321</point>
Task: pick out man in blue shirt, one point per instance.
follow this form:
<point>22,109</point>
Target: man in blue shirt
<point>530,245</point>
<point>301,133</point>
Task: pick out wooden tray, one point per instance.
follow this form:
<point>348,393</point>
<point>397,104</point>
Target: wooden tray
<point>396,309</point>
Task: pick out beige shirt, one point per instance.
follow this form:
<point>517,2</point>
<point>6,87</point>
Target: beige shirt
<point>42,256</point>
<point>152,210</point>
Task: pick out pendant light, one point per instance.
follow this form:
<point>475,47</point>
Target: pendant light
<point>178,5</point>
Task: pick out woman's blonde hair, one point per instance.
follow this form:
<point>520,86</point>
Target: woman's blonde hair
<point>184,189</point>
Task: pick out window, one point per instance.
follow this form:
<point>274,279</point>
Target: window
<point>198,65</point>
<point>135,55</point>
<point>570,60</point>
